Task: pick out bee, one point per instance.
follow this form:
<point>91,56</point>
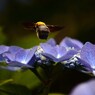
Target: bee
<point>42,30</point>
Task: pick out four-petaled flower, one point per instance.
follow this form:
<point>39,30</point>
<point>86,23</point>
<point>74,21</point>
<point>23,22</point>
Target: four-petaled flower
<point>65,50</point>
<point>17,58</point>
<point>56,53</point>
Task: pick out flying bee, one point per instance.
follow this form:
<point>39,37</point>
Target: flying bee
<point>42,29</point>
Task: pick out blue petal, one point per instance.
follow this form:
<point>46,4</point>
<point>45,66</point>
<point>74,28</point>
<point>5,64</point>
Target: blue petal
<point>51,41</point>
<point>88,54</point>
<point>50,57</point>
<point>18,64</point>
<point>24,56</point>
<point>87,88</point>
<point>3,49</point>
<point>14,49</point>
<point>10,68</point>
<point>30,55</point>
<point>68,42</point>
<point>21,56</point>
<point>1,58</point>
<point>45,46</point>
<point>68,55</point>
<point>9,57</point>
<point>85,64</point>
<point>60,51</point>
<point>48,49</point>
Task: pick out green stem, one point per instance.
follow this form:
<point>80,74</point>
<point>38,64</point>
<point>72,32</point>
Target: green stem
<point>38,75</point>
<point>6,81</point>
<point>46,88</point>
<point>46,83</point>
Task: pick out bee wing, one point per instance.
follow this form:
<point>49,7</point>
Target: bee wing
<point>29,25</point>
<point>54,28</point>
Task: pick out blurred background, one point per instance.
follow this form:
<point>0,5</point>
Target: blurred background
<point>77,17</point>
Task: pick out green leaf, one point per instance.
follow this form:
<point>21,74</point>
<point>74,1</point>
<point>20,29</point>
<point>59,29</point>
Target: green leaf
<point>5,74</point>
<point>26,78</point>
<point>14,89</point>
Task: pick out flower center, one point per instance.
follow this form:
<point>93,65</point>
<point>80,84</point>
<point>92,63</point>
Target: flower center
<point>70,48</point>
<point>58,56</point>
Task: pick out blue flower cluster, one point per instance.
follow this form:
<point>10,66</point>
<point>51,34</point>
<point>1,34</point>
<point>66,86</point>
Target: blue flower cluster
<point>71,53</point>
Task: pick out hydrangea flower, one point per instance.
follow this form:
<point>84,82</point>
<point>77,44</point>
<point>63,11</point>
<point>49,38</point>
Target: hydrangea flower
<point>57,53</point>
<point>87,88</point>
<point>3,49</point>
<point>72,44</point>
<point>17,57</point>
<point>87,56</point>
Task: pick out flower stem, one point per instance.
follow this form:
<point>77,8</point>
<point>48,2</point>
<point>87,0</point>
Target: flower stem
<point>38,75</point>
<point>6,81</point>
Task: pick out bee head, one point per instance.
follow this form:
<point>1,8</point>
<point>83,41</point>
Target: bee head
<point>40,24</point>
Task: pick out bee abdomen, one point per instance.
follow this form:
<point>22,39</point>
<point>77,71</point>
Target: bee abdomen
<point>42,34</point>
